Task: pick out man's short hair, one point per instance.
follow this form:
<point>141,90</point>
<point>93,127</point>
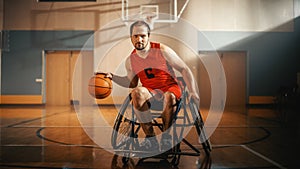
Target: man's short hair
<point>139,23</point>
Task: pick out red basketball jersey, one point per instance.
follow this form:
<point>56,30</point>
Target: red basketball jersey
<point>154,71</point>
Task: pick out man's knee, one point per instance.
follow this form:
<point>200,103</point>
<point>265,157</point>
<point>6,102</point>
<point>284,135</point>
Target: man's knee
<point>140,97</point>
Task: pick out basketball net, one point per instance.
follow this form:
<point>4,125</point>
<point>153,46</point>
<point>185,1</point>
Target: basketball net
<point>149,18</point>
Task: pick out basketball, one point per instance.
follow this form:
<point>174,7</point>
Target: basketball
<point>100,86</point>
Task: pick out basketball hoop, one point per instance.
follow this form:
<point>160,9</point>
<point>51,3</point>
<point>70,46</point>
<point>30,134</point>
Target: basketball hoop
<point>149,13</point>
<point>149,18</point>
<point>167,12</point>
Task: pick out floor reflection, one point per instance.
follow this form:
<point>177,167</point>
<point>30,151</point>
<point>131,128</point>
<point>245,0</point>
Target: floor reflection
<point>52,137</point>
<point>158,163</point>
<point>117,163</point>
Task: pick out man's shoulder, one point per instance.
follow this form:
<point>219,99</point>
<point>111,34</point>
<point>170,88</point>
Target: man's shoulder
<point>155,44</point>
<point>159,45</point>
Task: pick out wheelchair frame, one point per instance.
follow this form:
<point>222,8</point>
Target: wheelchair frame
<point>124,138</point>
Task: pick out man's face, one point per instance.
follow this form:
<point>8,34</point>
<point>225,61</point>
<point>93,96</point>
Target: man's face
<point>139,37</point>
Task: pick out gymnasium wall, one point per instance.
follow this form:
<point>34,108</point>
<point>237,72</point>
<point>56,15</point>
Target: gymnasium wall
<point>273,57</point>
<point>22,59</point>
<point>1,14</point>
<point>270,39</point>
<point>241,15</point>
<point>267,30</point>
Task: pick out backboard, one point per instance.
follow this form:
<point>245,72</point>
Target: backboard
<point>163,11</point>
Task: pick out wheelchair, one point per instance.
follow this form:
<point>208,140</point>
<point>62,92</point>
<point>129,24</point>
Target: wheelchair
<point>125,138</point>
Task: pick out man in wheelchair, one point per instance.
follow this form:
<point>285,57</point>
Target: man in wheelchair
<point>153,65</point>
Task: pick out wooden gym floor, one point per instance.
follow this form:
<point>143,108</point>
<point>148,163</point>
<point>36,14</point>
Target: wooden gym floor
<point>52,137</point>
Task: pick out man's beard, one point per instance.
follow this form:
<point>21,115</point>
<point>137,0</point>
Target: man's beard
<point>140,46</point>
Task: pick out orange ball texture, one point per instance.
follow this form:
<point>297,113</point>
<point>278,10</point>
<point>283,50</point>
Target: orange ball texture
<point>100,86</point>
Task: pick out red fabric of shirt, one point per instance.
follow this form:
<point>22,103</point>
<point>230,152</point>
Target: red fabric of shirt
<point>154,71</point>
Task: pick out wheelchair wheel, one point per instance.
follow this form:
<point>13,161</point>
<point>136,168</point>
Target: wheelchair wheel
<point>176,157</point>
<point>121,139</point>
<point>121,135</point>
<point>202,136</point>
<point>199,125</point>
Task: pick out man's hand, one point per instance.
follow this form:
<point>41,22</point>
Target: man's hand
<point>107,74</point>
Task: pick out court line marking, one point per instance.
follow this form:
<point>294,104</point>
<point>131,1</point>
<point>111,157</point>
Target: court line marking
<point>263,157</point>
<point>32,119</point>
<point>51,145</point>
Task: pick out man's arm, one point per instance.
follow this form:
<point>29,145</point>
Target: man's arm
<point>123,80</point>
<point>129,81</point>
<point>175,61</point>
